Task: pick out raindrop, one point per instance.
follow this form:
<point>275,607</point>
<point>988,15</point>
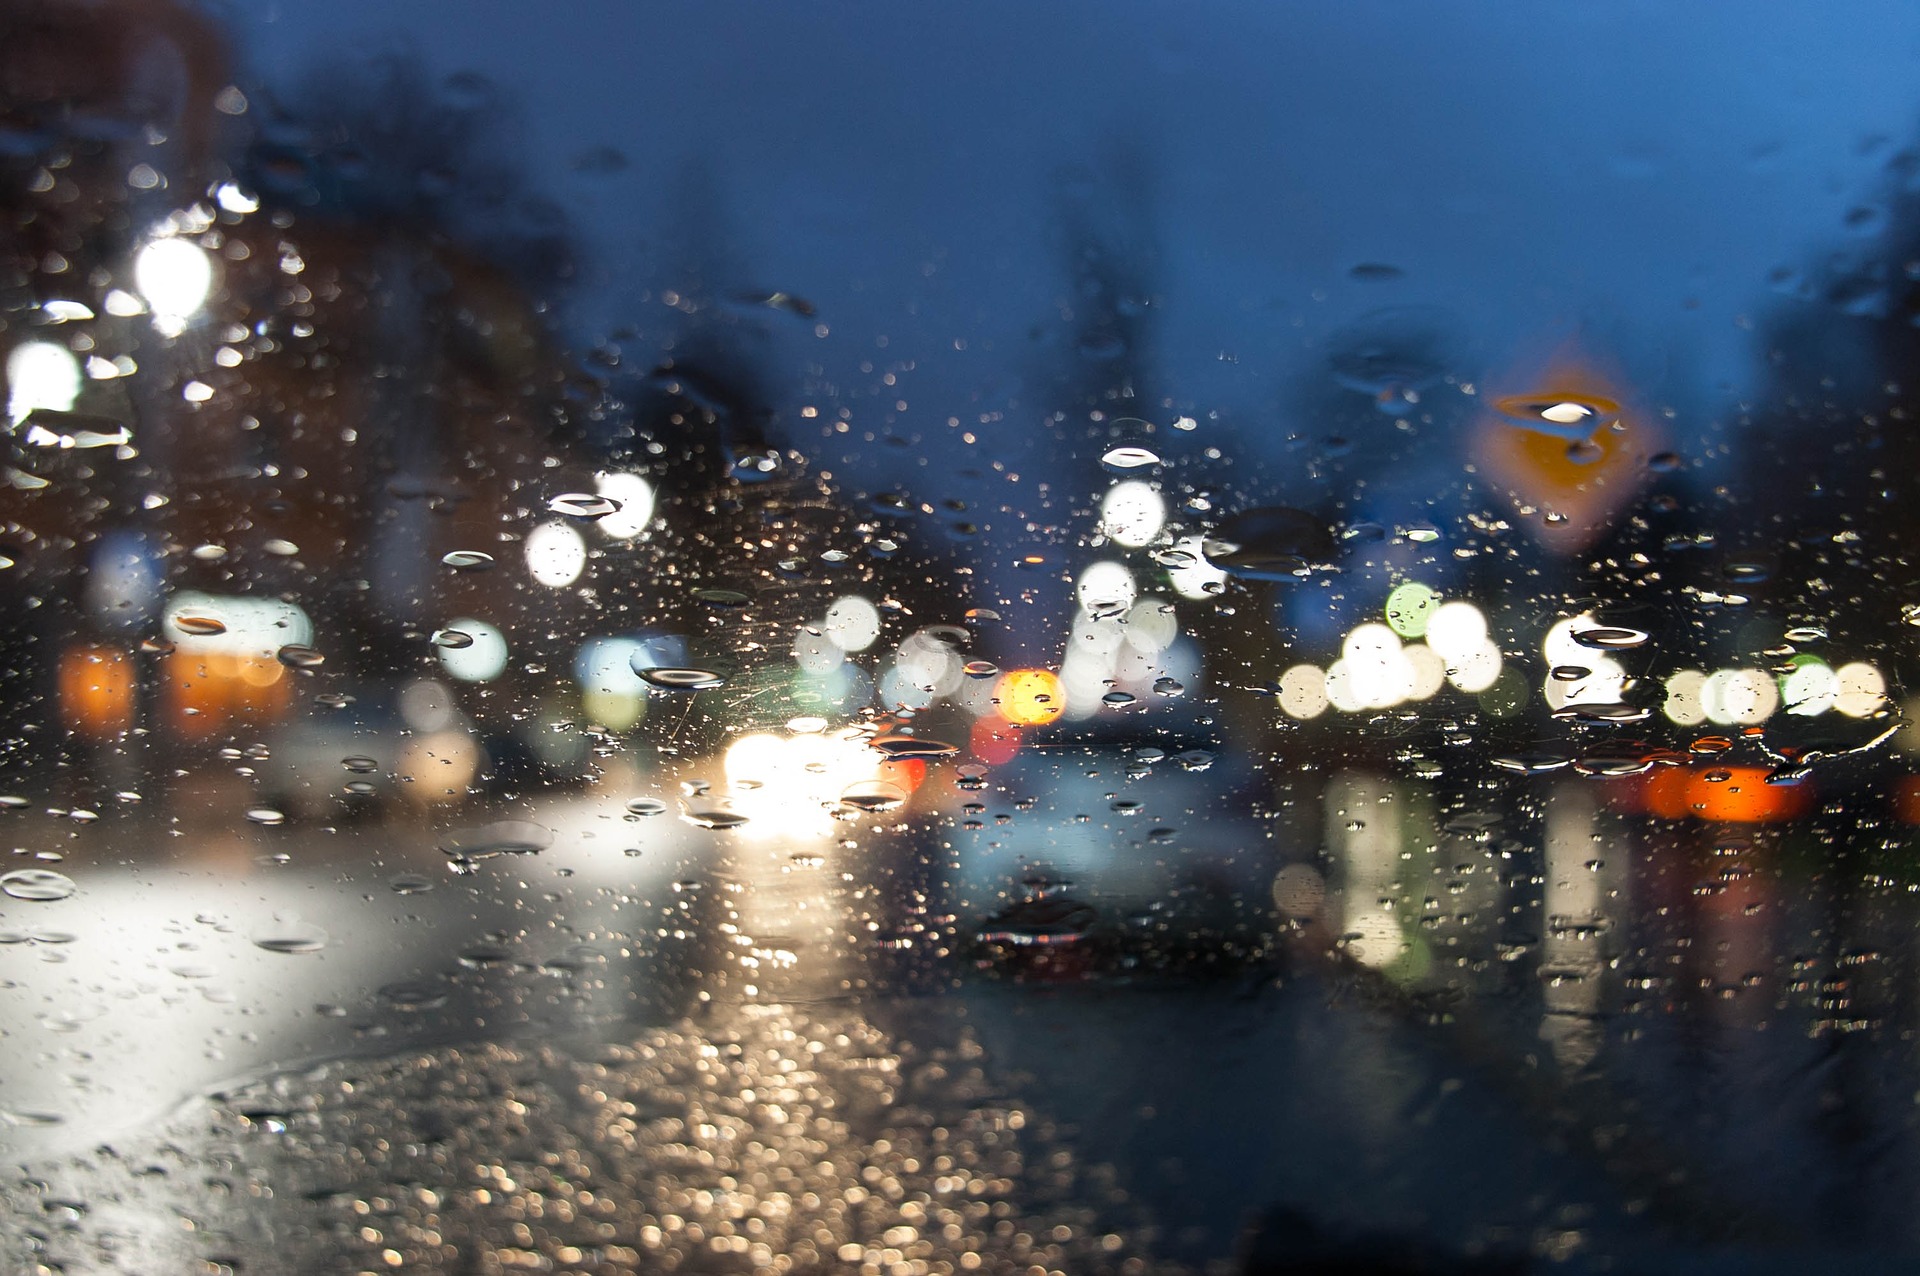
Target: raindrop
<point>873,796</point>
<point>583,505</point>
<point>452,639</point>
<point>908,746</point>
<point>725,599</point>
<point>467,560</point>
<point>410,998</point>
<point>291,938</point>
<point>980,669</point>
<point>646,807</point>
<point>680,679</point>
<point>503,837</point>
<point>1570,673</point>
<point>300,656</point>
<point>410,884</point>
<point>713,818</point>
<point>39,885</point>
<point>1609,638</point>
<point>1393,354</point>
<point>1194,760</point>
<point>1572,416</point>
<point>266,815</point>
<point>1117,698</point>
<point>1128,457</point>
<point>359,764</point>
<point>200,626</point>
<point>1273,543</point>
<point>1167,687</point>
<point>1532,762</point>
<point>1049,918</point>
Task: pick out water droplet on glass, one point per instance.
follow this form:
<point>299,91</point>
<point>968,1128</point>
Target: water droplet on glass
<point>1116,699</point>
<point>452,639</point>
<point>1167,687</point>
<point>680,679</point>
<point>1574,417</point>
<point>360,765</point>
<point>266,815</point>
<point>1609,637</point>
<point>909,746</point>
<point>503,837</point>
<point>713,818</point>
<point>410,998</point>
<point>1128,457</point>
<point>300,656</point>
<point>980,669</point>
<point>37,884</point>
<point>467,560</point>
<point>873,796</point>
<point>410,884</point>
<point>584,505</point>
<point>291,938</point>
<point>200,626</point>
<point>646,807</point>
<point>1273,543</point>
<point>1532,762</point>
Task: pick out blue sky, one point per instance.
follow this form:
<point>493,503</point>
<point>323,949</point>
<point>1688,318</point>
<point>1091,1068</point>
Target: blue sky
<point>1625,173</point>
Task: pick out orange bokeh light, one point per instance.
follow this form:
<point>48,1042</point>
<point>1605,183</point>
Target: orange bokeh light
<point>96,690</point>
<point>1030,697</point>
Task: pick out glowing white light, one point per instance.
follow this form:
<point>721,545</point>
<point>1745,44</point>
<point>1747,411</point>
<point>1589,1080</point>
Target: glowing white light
<point>1378,673</point>
<point>1132,513</point>
<point>929,665</point>
<point>1303,692</point>
<point>484,661</point>
<point>899,691</point>
<point>1686,696</point>
<point>1195,577</point>
<point>555,554</point>
<point>1106,589</point>
<point>787,786</point>
<point>1456,629</point>
<point>1339,689</point>
<point>1811,689</point>
<point>816,654</point>
<point>1151,626</point>
<point>635,496</point>
<point>1084,678</point>
<point>41,375</point>
<point>1862,690</point>
<point>1429,671</point>
<point>174,275</point>
<point>1474,670</point>
<point>1742,696</point>
<point>852,623</point>
<point>235,200</point>
<point>1375,939</point>
<point>1102,638</point>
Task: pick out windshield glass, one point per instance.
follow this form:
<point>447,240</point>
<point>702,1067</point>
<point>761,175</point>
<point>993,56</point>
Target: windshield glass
<point>1073,639</point>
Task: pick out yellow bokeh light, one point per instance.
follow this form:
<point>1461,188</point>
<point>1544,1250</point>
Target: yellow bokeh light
<point>1030,697</point>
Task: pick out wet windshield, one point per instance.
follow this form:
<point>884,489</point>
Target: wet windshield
<point>1067,640</point>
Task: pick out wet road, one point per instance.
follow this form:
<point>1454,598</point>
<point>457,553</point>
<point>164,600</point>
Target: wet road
<point>1275,1103</point>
